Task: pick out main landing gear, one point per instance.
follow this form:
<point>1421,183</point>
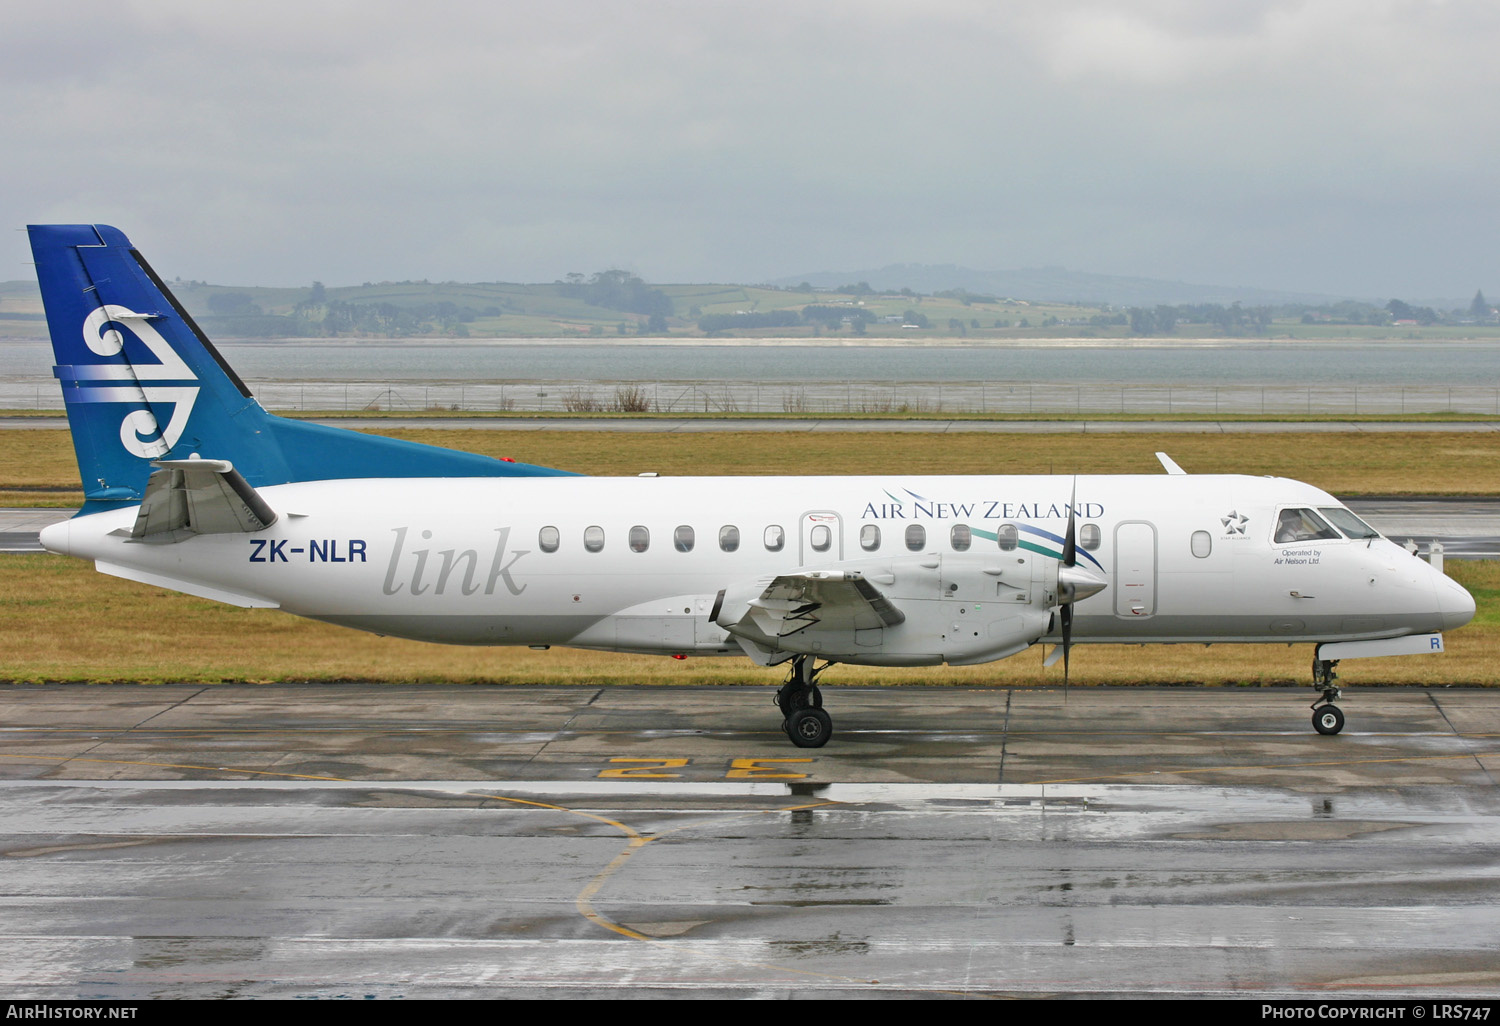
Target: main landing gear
<point>801,703</point>
<point>1327,717</point>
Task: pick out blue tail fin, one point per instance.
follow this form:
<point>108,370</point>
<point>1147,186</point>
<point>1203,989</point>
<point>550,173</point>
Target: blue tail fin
<point>141,382</point>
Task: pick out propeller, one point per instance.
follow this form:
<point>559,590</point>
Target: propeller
<point>1074,583</point>
<point>1069,560</point>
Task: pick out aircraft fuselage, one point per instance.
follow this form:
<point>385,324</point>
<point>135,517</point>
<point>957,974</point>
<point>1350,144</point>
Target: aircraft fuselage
<point>644,564</point>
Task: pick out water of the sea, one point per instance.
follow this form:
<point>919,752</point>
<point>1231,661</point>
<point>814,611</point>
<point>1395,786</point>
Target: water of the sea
<point>1089,376</point>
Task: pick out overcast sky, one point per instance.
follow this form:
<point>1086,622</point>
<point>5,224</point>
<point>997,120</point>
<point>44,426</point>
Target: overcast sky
<point>1340,146</point>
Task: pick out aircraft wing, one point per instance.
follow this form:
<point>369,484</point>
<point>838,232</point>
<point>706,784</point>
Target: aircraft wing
<point>828,599</point>
<point>198,497</point>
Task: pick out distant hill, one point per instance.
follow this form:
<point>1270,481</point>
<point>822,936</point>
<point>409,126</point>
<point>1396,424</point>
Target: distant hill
<point>908,301</point>
<point>1054,285</point>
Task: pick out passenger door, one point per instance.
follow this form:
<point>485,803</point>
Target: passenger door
<point>1135,569</point>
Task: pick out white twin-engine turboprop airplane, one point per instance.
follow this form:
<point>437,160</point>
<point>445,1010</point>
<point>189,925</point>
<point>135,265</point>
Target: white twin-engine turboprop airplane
<point>192,486</point>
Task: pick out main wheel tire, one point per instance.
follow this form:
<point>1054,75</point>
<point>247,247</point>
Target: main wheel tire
<point>1328,719</point>
<point>809,728</point>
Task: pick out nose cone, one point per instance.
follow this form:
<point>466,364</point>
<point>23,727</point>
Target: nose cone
<point>1454,603</point>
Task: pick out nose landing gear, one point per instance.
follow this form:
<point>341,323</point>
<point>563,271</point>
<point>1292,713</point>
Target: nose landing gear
<point>801,703</point>
<point>1327,717</point>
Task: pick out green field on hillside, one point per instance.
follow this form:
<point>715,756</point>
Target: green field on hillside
<point>424,309</point>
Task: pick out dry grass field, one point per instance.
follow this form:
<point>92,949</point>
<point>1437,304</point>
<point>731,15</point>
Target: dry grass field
<point>61,621</point>
<point>64,622</point>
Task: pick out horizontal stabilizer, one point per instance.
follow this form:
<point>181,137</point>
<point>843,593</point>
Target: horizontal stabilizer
<point>199,497</point>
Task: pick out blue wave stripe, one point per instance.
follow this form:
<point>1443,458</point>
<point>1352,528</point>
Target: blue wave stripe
<point>1061,541</point>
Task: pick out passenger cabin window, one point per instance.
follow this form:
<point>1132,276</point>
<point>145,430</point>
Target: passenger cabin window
<point>640,539</point>
<point>1347,522</point>
<point>682,538</point>
<point>820,538</point>
<point>960,537</point>
<point>916,537</point>
<point>1302,525</point>
<point>775,538</point>
<point>869,537</point>
<point>1007,536</point>
<point>547,539</point>
<point>593,538</point>
<point>729,538</point>
<point>1089,536</point>
<point>1202,544</point>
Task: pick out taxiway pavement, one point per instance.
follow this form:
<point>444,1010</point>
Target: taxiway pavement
<point>450,841</point>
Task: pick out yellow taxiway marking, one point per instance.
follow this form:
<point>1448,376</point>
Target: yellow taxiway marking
<point>739,769</point>
<point>643,769</point>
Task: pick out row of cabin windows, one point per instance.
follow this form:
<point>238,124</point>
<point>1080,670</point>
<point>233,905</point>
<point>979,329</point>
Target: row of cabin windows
<point>1294,525</point>
<point>819,539</point>
<point>639,538</point>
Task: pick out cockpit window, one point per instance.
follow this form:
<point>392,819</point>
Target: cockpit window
<point>1300,525</point>
<point>1347,522</point>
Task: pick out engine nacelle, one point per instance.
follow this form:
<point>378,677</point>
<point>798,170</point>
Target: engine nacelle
<point>925,609</point>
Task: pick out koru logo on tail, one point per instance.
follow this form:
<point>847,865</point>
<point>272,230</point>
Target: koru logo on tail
<point>140,432</point>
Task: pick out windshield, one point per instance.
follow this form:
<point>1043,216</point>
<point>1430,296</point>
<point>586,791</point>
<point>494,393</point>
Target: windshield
<point>1347,522</point>
<point>1300,525</point>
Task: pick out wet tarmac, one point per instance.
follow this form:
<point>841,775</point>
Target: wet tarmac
<point>448,841</point>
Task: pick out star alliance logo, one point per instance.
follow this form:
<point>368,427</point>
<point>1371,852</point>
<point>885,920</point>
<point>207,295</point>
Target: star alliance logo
<point>1234,523</point>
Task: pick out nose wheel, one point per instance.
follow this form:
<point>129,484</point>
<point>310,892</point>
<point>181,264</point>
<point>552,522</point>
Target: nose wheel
<point>1327,718</point>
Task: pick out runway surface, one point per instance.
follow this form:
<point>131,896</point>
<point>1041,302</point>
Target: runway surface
<point>449,841</point>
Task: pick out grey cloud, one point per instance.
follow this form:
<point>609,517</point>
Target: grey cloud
<point>1323,145</point>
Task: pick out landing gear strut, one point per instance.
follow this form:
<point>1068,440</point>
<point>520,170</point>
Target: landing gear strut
<point>1327,717</point>
<point>801,703</point>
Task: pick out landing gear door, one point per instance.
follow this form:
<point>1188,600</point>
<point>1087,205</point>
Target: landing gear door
<point>821,537</point>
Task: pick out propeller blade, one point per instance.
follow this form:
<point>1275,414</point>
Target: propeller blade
<point>1067,642</point>
<point>1069,560</point>
<point>1070,540</point>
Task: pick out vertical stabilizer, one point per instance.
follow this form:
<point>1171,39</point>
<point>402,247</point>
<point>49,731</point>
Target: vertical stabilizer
<point>141,382</point>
